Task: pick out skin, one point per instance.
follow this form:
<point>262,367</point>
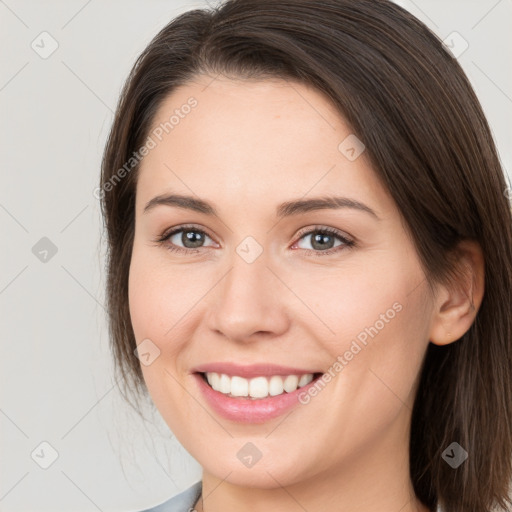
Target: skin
<point>245,148</point>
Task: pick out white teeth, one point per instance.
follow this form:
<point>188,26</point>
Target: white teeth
<point>305,379</point>
<point>239,386</point>
<point>224,384</point>
<point>214,381</point>
<point>257,387</point>
<point>275,386</point>
<point>290,383</point>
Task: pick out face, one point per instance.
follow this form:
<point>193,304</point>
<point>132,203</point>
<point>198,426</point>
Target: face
<point>337,292</point>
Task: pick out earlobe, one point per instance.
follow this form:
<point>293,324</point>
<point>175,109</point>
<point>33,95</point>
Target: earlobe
<point>456,304</point>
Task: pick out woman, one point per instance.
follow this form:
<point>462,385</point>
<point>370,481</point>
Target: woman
<point>310,260</point>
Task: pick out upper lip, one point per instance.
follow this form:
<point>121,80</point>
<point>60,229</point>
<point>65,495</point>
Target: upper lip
<point>251,370</point>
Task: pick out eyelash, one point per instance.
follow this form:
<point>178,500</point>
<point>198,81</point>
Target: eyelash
<point>164,239</point>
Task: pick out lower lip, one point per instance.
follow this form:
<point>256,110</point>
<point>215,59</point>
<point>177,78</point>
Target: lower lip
<point>246,410</point>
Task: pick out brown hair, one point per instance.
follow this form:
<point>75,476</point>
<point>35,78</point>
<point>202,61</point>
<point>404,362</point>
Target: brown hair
<point>409,101</point>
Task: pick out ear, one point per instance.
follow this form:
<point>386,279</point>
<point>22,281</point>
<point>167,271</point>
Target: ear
<point>456,304</point>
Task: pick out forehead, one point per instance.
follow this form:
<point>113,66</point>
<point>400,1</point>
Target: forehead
<point>254,141</point>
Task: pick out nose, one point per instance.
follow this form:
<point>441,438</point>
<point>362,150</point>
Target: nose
<point>249,303</point>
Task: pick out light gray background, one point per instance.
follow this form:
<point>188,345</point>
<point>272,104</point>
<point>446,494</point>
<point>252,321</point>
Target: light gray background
<point>56,376</point>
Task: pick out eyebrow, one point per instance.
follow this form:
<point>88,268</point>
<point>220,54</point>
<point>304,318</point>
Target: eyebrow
<point>285,209</point>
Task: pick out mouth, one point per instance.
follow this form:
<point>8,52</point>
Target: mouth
<point>258,387</point>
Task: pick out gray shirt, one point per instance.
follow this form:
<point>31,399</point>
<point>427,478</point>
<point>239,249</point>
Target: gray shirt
<point>185,501</point>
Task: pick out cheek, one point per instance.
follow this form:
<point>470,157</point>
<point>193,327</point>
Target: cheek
<point>376,320</point>
<point>145,300</point>
<point>162,301</point>
<point>346,302</point>
<point>382,347</point>
<point>152,290</point>
<point>379,359</point>
<point>150,303</point>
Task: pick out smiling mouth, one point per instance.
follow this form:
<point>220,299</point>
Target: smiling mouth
<point>256,388</point>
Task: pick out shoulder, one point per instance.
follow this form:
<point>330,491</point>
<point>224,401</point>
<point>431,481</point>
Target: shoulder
<point>181,502</point>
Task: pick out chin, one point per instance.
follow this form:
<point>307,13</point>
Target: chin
<point>262,475</point>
